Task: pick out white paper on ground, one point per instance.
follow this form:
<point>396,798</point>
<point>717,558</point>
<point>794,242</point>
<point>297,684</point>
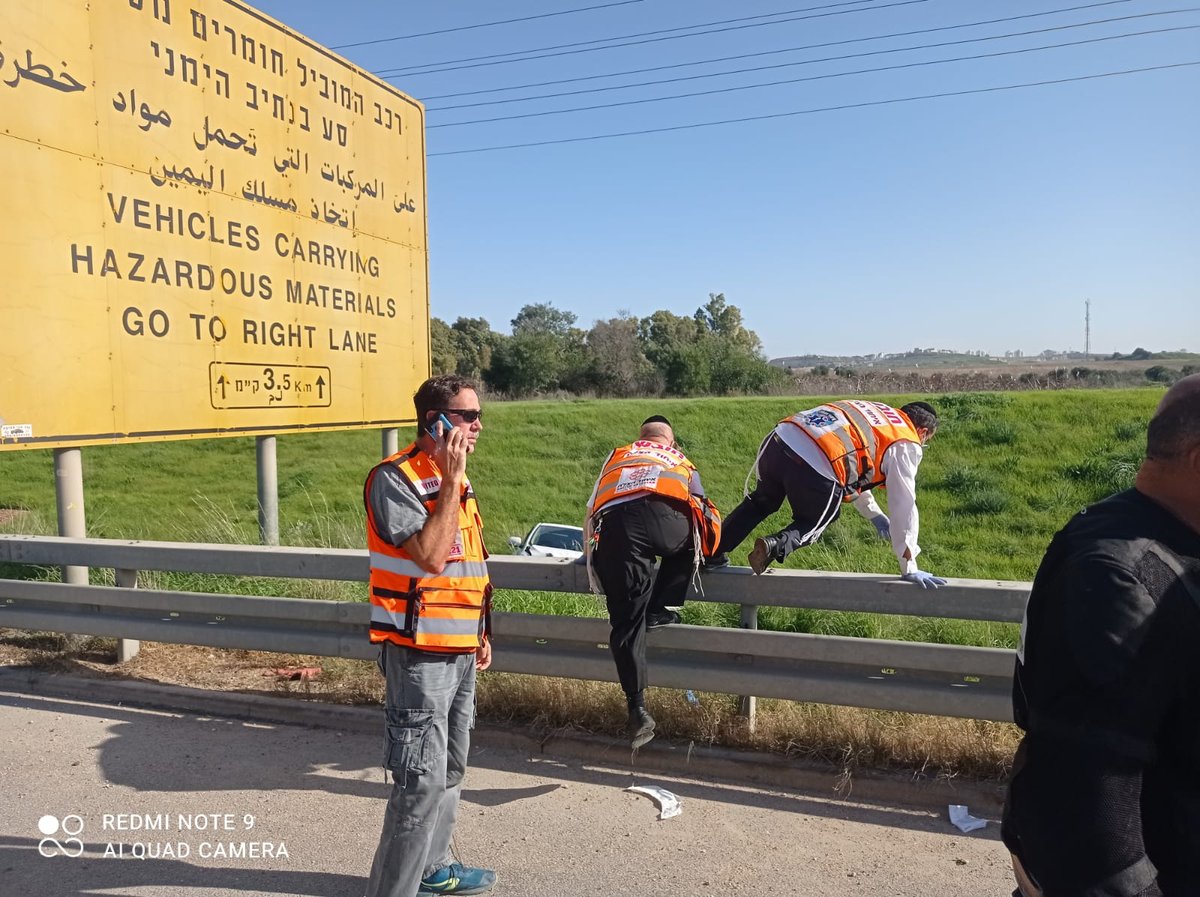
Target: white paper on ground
<point>668,804</point>
<point>963,820</point>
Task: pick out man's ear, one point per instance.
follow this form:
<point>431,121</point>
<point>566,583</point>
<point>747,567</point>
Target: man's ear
<point>1192,458</point>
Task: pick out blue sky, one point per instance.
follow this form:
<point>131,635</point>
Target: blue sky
<point>980,221</point>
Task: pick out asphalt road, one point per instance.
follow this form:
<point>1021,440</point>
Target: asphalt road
<point>242,808</point>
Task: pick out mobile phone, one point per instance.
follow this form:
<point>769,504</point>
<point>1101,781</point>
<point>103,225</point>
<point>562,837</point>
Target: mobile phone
<point>431,428</point>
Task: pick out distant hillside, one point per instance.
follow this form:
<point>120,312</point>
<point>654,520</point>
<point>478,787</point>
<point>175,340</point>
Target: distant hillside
<point>890,361</point>
<point>948,358</point>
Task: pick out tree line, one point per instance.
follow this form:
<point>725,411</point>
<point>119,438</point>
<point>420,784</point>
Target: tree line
<point>709,353</point>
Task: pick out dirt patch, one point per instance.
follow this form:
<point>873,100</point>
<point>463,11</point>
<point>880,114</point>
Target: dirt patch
<point>216,669</point>
<point>12,515</point>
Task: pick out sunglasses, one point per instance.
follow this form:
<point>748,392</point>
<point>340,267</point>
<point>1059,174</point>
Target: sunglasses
<point>469,415</point>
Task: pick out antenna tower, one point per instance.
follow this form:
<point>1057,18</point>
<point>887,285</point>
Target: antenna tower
<point>1087,329</point>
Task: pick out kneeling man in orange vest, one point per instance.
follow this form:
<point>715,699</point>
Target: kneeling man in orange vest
<point>838,452</point>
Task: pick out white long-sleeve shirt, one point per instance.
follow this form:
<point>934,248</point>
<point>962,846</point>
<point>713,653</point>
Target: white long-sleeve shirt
<point>899,467</point>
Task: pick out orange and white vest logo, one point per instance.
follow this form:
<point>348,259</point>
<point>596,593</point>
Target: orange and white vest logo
<point>651,468</point>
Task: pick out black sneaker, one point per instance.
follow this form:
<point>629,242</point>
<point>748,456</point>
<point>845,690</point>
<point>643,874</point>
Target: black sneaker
<point>640,727</point>
<point>661,618</point>
<point>716,562</point>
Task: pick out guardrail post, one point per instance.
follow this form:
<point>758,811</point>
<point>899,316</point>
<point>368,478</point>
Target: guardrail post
<point>127,648</point>
<point>748,704</point>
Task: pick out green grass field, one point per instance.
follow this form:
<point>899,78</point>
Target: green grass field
<point>1005,471</point>
<point>1002,475</point>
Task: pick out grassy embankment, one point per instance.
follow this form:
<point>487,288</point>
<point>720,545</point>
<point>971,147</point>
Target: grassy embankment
<point>1004,472</point>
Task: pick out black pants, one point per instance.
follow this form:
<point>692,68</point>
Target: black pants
<point>816,501</point>
<point>632,535</point>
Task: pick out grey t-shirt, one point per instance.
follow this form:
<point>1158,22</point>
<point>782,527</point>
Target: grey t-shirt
<point>398,513</point>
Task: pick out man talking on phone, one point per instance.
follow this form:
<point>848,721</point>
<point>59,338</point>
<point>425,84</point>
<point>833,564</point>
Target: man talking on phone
<point>430,613</point>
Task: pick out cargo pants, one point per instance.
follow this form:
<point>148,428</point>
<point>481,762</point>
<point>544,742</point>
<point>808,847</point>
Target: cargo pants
<point>430,710</point>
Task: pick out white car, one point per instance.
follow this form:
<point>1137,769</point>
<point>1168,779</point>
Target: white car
<point>550,540</point>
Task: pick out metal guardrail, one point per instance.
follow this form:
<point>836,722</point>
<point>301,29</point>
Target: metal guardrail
<point>892,675</point>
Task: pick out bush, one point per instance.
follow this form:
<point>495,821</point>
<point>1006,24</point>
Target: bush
<point>996,432</point>
<point>1126,430</point>
<point>961,478</point>
<point>968,406</point>
<point>1105,475</point>
<point>1162,374</point>
<point>984,500</point>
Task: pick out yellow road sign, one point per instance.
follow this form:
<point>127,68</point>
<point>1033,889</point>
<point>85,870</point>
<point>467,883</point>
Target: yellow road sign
<point>210,226</point>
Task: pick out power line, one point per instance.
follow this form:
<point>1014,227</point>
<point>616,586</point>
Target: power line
<point>545,15</point>
<point>408,72</point>
<point>604,40</point>
<point>844,106</point>
<point>820,46</point>
<point>827,76</point>
<point>781,65</point>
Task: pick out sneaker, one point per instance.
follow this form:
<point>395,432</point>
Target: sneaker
<point>640,727</point>
<point>716,562</point>
<point>763,553</point>
<point>655,619</point>
<point>458,879</point>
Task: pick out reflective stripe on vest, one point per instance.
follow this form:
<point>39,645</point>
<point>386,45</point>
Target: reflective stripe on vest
<point>863,454</point>
<point>609,490</point>
<point>429,625</point>
<point>405,567</point>
<point>444,612</point>
<point>854,435</point>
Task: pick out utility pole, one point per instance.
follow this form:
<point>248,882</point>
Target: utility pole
<point>1087,329</point>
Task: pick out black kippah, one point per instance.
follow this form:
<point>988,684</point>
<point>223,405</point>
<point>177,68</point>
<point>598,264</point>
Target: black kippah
<point>656,419</point>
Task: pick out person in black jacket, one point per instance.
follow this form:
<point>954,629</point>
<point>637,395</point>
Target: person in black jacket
<point>1105,793</point>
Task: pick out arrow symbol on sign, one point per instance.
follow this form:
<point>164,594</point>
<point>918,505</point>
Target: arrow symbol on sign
<point>320,387</point>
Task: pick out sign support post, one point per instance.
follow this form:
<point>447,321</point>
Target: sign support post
<point>268,490</point>
<point>72,522</point>
<point>68,494</point>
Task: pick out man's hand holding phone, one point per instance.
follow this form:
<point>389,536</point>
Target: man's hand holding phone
<point>439,428</point>
<point>451,447</point>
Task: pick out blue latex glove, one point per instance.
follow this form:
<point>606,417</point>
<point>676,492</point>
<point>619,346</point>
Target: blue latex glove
<point>923,579</point>
<point>883,526</point>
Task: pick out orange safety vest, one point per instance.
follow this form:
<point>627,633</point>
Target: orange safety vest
<point>854,435</point>
<point>448,612</point>
<point>653,468</point>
